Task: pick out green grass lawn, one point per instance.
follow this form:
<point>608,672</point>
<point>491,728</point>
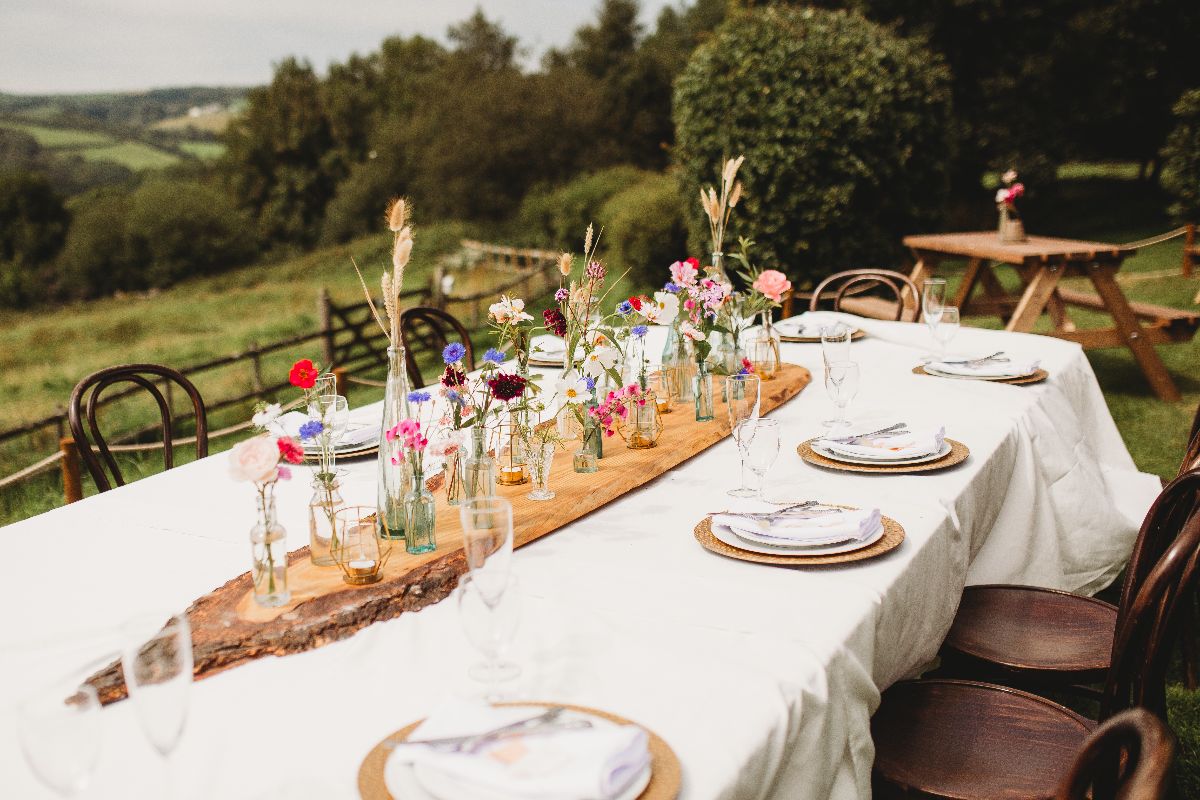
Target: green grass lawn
<point>204,150</point>
<point>134,155</point>
<point>61,137</point>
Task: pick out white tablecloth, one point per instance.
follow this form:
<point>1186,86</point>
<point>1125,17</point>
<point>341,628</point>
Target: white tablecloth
<point>762,679</point>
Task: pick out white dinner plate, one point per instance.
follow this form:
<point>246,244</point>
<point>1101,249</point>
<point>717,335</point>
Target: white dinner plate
<point>730,538</point>
<point>754,536</point>
<point>943,374</point>
<point>422,782</point>
<point>831,454</point>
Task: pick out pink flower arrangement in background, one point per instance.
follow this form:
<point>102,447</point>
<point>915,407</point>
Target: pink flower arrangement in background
<point>684,273</point>
<point>1010,192</point>
<point>772,284</point>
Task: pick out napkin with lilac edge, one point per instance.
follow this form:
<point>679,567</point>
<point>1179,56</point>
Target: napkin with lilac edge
<point>990,368</point>
<point>808,527</point>
<point>914,443</point>
<point>595,763</point>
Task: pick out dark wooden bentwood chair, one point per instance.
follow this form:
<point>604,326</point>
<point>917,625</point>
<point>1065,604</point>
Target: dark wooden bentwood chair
<point>85,401</point>
<point>1191,460</point>
<point>424,329</point>
<point>1129,757</point>
<point>962,739</point>
<point>854,283</point>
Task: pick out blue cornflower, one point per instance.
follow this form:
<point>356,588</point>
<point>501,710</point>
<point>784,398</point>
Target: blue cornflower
<point>624,308</point>
<point>453,353</point>
<point>639,330</point>
<point>590,383</point>
<point>311,429</point>
<point>673,288</point>
<point>418,397</point>
<point>453,396</point>
<point>493,355</point>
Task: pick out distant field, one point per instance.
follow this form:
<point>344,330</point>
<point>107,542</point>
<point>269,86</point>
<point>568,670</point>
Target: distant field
<point>61,137</point>
<point>209,123</point>
<point>204,150</point>
<point>135,155</point>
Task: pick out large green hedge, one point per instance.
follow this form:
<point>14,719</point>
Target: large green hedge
<point>845,128</point>
<point>556,217</point>
<point>1181,158</point>
<point>645,229</point>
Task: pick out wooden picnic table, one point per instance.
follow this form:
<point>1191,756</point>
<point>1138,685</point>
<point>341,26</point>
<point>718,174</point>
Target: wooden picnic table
<point>1042,262</point>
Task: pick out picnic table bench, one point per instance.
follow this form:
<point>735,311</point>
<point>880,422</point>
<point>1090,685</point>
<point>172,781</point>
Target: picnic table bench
<point>1042,262</point>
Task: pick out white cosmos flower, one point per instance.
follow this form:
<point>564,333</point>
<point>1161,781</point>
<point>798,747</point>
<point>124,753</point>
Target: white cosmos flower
<point>663,310</point>
<point>509,310</point>
<point>599,360</point>
<point>268,415</point>
<point>572,388</point>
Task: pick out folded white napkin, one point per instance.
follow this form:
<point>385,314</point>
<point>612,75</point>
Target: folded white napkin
<point>547,348</point>
<point>988,369</point>
<point>362,431</point>
<point>920,442</point>
<point>825,526</point>
<point>597,763</point>
<point>808,324</point>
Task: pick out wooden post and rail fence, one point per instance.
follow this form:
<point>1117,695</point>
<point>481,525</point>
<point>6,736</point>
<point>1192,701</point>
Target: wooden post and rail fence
<point>351,346</point>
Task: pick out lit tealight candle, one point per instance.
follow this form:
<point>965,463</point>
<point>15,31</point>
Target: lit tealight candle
<point>362,566</point>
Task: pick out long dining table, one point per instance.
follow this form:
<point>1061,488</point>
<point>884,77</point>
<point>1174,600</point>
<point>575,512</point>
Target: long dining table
<point>761,678</point>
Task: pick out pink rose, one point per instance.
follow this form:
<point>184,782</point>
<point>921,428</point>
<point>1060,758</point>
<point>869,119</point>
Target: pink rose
<point>773,283</point>
<point>1017,190</point>
<point>254,460</point>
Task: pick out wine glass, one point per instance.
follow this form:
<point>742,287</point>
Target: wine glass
<point>742,395</point>
<point>59,727</point>
<point>841,383</point>
<point>946,329</point>
<point>933,301</point>
<point>762,448</point>
<point>489,619</point>
<point>488,542</point>
<point>157,667</point>
<point>835,342</point>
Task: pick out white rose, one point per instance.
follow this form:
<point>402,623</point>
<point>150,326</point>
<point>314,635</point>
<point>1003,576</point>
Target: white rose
<point>268,415</point>
<point>254,460</point>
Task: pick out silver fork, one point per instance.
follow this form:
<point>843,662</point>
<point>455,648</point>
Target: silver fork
<point>898,429</point>
<point>977,362</point>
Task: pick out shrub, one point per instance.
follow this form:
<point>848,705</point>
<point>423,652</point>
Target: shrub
<point>95,259</point>
<point>645,229</point>
<point>557,217</point>
<point>844,125</point>
<point>1181,158</point>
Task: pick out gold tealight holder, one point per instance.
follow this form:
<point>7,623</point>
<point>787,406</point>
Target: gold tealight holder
<point>663,401</point>
<point>510,456</point>
<point>763,352</point>
<point>642,424</point>
<point>357,548</point>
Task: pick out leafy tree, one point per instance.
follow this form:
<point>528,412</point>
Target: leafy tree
<point>279,156</point>
<point>482,45</point>
<point>95,259</point>
<point>33,219</point>
<point>1182,156</point>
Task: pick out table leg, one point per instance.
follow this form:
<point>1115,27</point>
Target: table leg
<point>992,288</point>
<point>970,277</point>
<point>1103,278</point>
<point>1037,294</point>
<point>1058,313</point>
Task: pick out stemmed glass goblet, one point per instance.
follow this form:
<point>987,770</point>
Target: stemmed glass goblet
<point>742,401</point>
<point>762,448</point>
<point>59,727</point>
<point>489,617</point>
<point>841,383</point>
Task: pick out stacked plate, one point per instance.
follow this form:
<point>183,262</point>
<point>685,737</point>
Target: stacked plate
<point>547,351</point>
<point>917,446</point>
<point>360,439</point>
<point>984,367</point>
<point>809,529</point>
<point>807,326</point>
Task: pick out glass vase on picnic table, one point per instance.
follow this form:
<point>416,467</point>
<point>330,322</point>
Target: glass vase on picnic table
<point>1012,229</point>
<point>478,468</point>
<point>702,389</point>
<point>420,510</point>
<point>678,366</point>
<point>268,545</point>
<point>455,463</point>
<point>763,350</point>
<point>393,472</point>
<point>322,532</point>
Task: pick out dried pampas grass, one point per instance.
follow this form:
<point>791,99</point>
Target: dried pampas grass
<point>718,207</point>
<point>392,283</point>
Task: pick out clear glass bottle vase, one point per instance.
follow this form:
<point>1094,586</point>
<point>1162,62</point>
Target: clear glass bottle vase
<point>420,515</point>
<point>393,471</point>
<point>591,445</point>
<point>478,468</point>
<point>702,388</point>
<point>322,530</point>
<point>268,545</point>
<point>678,366</point>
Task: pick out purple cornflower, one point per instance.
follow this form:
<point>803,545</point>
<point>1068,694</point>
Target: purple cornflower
<point>311,429</point>
<point>418,397</point>
<point>493,355</point>
<point>639,330</point>
<point>453,353</point>
<point>624,308</point>
<point>673,288</point>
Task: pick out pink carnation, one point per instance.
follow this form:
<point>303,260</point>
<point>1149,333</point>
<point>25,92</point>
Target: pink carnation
<point>684,273</point>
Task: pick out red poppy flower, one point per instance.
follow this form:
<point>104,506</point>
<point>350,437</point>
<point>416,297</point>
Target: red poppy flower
<point>292,452</point>
<point>636,302</point>
<point>693,261</point>
<point>303,374</point>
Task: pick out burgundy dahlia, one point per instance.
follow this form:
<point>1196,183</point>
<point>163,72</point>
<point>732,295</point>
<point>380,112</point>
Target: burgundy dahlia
<point>506,387</point>
<point>556,323</point>
<point>453,378</point>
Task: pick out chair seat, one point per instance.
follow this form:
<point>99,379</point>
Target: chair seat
<point>966,740</point>
<point>1040,634</point>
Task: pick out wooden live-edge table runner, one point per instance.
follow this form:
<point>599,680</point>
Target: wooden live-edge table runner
<point>229,628</point>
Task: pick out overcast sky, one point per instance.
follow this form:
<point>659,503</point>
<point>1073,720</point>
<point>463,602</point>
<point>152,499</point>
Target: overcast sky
<point>104,45</point>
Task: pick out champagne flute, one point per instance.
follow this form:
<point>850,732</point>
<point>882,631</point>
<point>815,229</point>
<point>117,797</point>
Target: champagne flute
<point>743,397</point>
<point>489,618</point>
<point>933,302</point>
<point>841,383</point>
<point>487,525</point>
<point>835,346</point>
<point>59,727</point>
<point>762,448</point>
<point>157,667</point>
<point>946,329</point>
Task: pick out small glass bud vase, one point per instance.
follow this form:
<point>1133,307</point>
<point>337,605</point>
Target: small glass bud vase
<point>321,529</point>
<point>358,550</point>
<point>642,425</point>
<point>675,378</point>
<point>541,457</point>
<point>455,466</point>
<point>420,516</point>
<point>702,388</point>
<point>268,544</point>
<point>511,455</point>
<point>1012,229</point>
<point>587,457</point>
<point>479,469</point>
<point>763,352</point>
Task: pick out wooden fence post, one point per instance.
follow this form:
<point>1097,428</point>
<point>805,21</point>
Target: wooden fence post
<point>1189,251</point>
<point>325,320</point>
<point>339,380</point>
<point>256,369</point>
<point>72,482</point>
